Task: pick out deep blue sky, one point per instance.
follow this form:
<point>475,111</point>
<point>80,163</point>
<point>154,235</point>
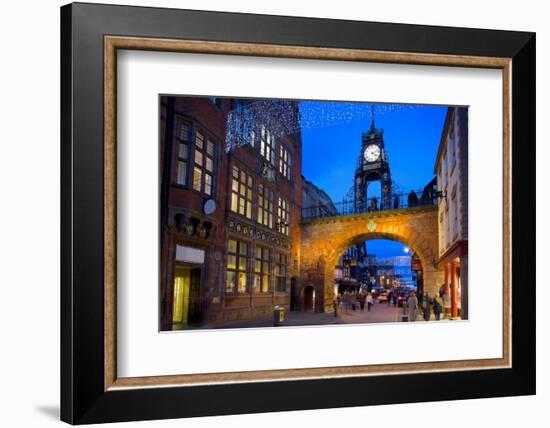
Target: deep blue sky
<point>411,137</point>
<point>329,153</point>
<point>386,248</point>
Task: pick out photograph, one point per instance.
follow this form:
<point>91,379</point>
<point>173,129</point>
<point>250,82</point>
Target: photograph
<point>271,212</point>
<point>295,212</point>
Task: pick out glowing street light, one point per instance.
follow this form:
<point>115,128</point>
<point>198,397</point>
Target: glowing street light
<point>406,249</point>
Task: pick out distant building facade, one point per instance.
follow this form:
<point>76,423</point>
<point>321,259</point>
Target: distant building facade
<point>451,168</point>
<point>316,202</point>
<point>229,215</point>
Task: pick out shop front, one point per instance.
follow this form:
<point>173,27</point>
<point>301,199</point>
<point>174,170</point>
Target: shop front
<point>454,262</point>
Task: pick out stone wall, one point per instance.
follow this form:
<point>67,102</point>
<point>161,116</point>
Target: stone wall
<point>324,240</point>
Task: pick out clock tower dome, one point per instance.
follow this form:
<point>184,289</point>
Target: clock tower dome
<point>372,165</point>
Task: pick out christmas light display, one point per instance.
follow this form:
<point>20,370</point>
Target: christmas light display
<point>286,117</point>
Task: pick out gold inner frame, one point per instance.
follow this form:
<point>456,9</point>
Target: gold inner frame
<point>113,43</point>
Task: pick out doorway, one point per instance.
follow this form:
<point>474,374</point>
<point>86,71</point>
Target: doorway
<point>186,297</point>
<point>309,298</point>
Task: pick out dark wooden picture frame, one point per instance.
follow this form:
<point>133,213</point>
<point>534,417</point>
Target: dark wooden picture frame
<point>90,37</point>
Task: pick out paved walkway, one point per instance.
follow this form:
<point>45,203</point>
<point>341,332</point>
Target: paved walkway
<point>291,319</point>
<point>379,313</point>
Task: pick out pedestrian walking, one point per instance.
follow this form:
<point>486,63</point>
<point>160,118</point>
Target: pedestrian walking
<point>438,306</point>
<point>412,304</point>
<point>346,299</point>
<point>362,297</point>
<point>370,300</point>
<point>427,306</point>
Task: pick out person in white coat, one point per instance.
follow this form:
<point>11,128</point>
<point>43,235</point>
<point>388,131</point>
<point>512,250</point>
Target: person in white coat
<point>412,303</point>
<point>370,301</point>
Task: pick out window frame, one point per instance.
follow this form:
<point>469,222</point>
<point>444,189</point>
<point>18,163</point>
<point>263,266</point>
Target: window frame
<point>265,206</point>
<point>202,166</point>
<point>283,214</point>
<point>237,270</point>
<point>179,123</point>
<point>262,261</point>
<point>190,161</point>
<point>237,196</point>
<point>285,162</point>
<point>268,145</point>
<point>281,261</point>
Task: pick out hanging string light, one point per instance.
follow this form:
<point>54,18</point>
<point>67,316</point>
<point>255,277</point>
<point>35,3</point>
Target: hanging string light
<point>286,117</point>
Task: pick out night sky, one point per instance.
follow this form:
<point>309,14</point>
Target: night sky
<point>411,137</point>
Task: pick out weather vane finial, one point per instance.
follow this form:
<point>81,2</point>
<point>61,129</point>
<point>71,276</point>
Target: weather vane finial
<point>372,116</point>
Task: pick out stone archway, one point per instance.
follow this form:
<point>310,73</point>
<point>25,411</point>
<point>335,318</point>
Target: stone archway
<point>324,240</point>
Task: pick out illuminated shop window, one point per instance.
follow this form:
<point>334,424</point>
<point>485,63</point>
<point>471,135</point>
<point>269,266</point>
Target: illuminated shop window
<point>237,265</point>
<point>262,270</point>
<point>241,192</point>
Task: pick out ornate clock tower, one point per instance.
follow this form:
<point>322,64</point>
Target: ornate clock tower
<point>372,165</point>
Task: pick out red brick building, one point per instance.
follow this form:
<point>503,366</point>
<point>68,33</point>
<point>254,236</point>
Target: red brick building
<point>230,213</point>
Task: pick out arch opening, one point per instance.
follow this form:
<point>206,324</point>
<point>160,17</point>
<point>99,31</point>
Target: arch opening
<point>385,268</point>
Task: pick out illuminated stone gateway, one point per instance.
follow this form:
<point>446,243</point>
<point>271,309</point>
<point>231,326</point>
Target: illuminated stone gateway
<point>323,240</point>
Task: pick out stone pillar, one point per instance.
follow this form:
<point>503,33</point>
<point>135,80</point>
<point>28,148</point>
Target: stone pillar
<point>432,280</point>
<point>167,279</point>
<point>454,305</point>
<point>328,290</point>
<point>464,287</point>
<point>447,295</point>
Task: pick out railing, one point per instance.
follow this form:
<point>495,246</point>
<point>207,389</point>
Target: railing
<point>350,207</point>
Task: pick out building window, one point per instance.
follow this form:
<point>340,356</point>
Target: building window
<point>267,145</point>
<point>452,143</point>
<point>241,192</point>
<point>182,139</point>
<point>265,206</point>
<point>446,162</point>
<point>203,169</point>
<point>281,272</point>
<point>284,162</point>
<point>262,270</point>
<point>237,265</point>
<point>250,137</point>
<point>454,211</point>
<point>283,216</point>
<point>447,229</point>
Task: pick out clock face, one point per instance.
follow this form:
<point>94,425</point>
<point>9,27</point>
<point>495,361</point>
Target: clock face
<point>372,153</point>
<point>209,206</point>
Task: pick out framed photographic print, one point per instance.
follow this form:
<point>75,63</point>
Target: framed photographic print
<point>267,213</point>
